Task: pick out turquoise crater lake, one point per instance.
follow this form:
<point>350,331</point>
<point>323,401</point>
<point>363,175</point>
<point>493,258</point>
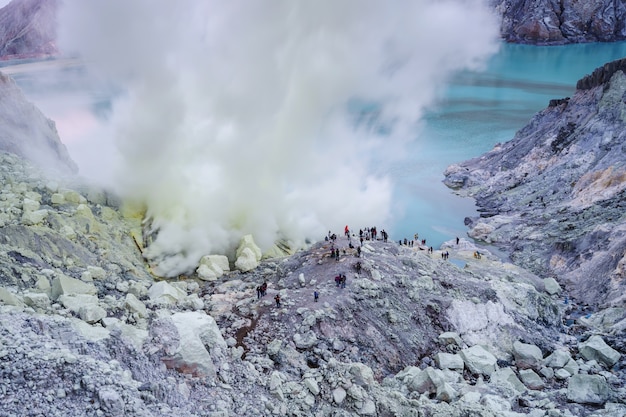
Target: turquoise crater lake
<point>476,111</point>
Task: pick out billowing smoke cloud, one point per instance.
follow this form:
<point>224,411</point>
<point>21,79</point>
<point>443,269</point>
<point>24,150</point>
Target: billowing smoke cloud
<point>277,118</point>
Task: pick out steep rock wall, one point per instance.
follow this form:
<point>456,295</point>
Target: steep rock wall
<point>26,132</point>
<point>556,22</point>
<point>28,29</point>
<point>554,196</point>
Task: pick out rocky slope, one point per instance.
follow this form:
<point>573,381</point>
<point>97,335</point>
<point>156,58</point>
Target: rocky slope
<point>549,22</point>
<point>28,133</point>
<point>554,196</point>
<point>87,330</point>
<point>28,29</point>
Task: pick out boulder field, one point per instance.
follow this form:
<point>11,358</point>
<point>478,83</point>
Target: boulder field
<point>86,329</point>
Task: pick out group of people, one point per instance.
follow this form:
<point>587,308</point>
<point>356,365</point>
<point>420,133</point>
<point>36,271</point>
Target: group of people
<point>340,280</point>
<point>261,290</point>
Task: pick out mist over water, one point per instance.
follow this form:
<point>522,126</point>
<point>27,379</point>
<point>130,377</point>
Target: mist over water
<point>277,118</point>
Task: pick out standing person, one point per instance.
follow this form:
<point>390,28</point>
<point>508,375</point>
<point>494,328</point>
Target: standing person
<point>343,281</point>
<point>277,299</point>
<point>346,231</point>
<point>316,296</point>
<point>258,292</point>
<point>358,251</point>
<point>457,240</point>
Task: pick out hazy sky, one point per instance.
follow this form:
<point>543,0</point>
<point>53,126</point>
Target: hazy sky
<point>243,117</point>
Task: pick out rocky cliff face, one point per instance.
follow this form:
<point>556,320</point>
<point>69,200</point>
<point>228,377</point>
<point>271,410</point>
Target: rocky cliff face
<point>28,29</point>
<point>28,133</point>
<point>555,195</point>
<point>549,22</point>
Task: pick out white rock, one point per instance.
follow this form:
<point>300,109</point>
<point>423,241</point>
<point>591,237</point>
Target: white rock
<point>363,374</point>
<point>561,374</point>
<point>72,196</point>
<point>527,356</point>
<point>218,264</point>
<point>74,302</point>
<point>197,331</point>
<point>507,376</point>
<point>301,280</point>
<point>339,395</point>
<point>446,393</point>
<point>531,379</point>
<point>305,341</point>
<point>587,389</point>
<point>30,205</point>
<point>205,273</point>
<point>89,332</point>
<point>91,313</point>
<point>547,372</point>
<point>31,218</point>
<point>37,300</point>
<point>311,385</point>
<point>368,408</point>
<point>478,360</point>
<point>595,348</point>
<point>96,272</point>
<point>64,285</point>
<point>558,358</point>
<point>246,260</point>
<point>248,242</point>
<point>552,287</point>
<point>449,361</point>
<point>57,198</point>
<point>164,292</point>
<point>8,298</point>
<point>83,210</point>
<point>135,306</point>
<point>68,232</point>
<point>448,338</point>
<point>572,367</point>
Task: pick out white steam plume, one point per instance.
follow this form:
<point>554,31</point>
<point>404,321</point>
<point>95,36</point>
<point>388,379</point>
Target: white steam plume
<point>243,116</point>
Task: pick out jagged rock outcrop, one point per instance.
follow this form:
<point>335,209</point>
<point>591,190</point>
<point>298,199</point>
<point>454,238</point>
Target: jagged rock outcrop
<point>550,22</point>
<point>28,29</point>
<point>554,196</point>
<point>26,132</point>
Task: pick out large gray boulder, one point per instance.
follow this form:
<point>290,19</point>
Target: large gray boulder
<point>595,348</point>
<point>527,355</point>
<point>588,389</point>
<point>200,342</point>
<point>478,360</point>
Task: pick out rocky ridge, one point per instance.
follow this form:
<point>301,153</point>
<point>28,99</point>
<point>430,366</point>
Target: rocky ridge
<point>20,119</point>
<point>548,22</point>
<point>554,196</point>
<point>85,329</point>
<point>28,29</point>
